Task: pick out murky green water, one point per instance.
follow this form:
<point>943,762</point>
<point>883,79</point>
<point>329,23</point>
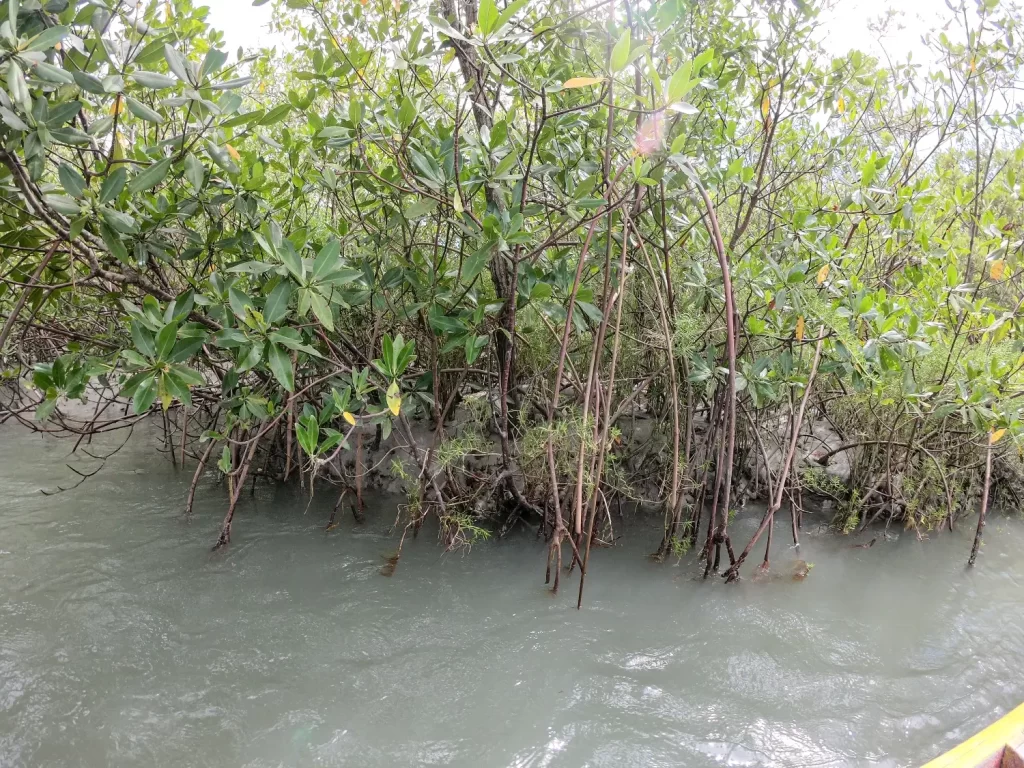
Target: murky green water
<point>124,641</point>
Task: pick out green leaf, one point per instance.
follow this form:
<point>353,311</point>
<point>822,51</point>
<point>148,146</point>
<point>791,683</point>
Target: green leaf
<point>293,263</point>
<point>17,86</point>
<point>187,375</point>
<point>407,113</point>
<point>224,465</point>
<point>680,84</point>
<point>47,39</point>
<point>51,74</point>
<point>251,358</point>
<point>195,172</point>
<point>307,432</point>
<point>706,57</point>
<point>145,394</point>
<point>474,346</point>
<point>118,221</point>
<point>276,305</point>
<point>165,340</point>
<point>507,14</point>
<point>150,177</point>
<point>230,85</point>
<point>185,347</point>
<point>420,208</point>
<point>154,80</point>
<point>113,184</point>
<point>45,409</point>
<point>212,63</point>
<point>143,340</point>
<point>620,53</point>
<point>63,204</point>
<point>281,366</point>
<point>13,120</point>
<point>326,260</point>
<point>176,387</point>
<point>76,227</point>
<point>12,14</point>
<point>143,112</point>
<point>88,83</point>
<point>220,156</point>
<point>322,310</point>
<point>177,64</point>
<point>289,337</point>
<point>487,17</point>
<point>239,302</point>
<point>276,115</point>
<point>114,244</point>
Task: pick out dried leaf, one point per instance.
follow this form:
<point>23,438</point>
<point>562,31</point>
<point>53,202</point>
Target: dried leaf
<point>394,398</point>
<point>997,269</point>
<point>823,273</point>
<point>582,82</point>
<point>233,152</point>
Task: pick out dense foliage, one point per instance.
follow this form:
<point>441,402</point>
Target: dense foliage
<point>463,228</point>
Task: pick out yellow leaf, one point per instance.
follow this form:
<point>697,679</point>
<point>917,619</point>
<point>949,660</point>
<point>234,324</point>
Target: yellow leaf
<point>57,46</point>
<point>582,82</point>
<point>974,65</point>
<point>165,399</point>
<point>457,202</point>
<point>233,152</point>
<point>996,436</point>
<point>766,106</point>
<point>800,328</point>
<point>263,87</point>
<point>118,106</point>
<point>841,106</point>
<point>823,273</point>
<point>349,418</point>
<point>997,269</point>
<point>394,398</point>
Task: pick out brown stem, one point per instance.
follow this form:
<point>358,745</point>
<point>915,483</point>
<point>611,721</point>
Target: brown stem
<point>195,477</point>
<point>984,505</point>
<point>243,470</point>
<point>11,318</point>
<point>730,343</point>
<point>600,447</point>
<point>733,573</point>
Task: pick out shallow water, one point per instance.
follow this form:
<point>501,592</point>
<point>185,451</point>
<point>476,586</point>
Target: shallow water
<point>125,641</point>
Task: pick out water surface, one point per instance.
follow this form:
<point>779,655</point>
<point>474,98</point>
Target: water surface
<point>124,641</point>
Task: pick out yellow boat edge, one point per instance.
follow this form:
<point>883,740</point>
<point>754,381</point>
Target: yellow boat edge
<point>985,749</point>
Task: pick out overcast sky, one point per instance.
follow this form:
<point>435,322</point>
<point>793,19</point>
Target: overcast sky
<point>844,28</point>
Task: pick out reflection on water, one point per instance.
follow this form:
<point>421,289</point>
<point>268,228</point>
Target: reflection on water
<point>125,641</point>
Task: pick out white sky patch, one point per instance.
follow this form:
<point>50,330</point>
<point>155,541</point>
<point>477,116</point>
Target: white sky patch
<point>242,24</point>
<point>849,26</point>
<point>845,26</point>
